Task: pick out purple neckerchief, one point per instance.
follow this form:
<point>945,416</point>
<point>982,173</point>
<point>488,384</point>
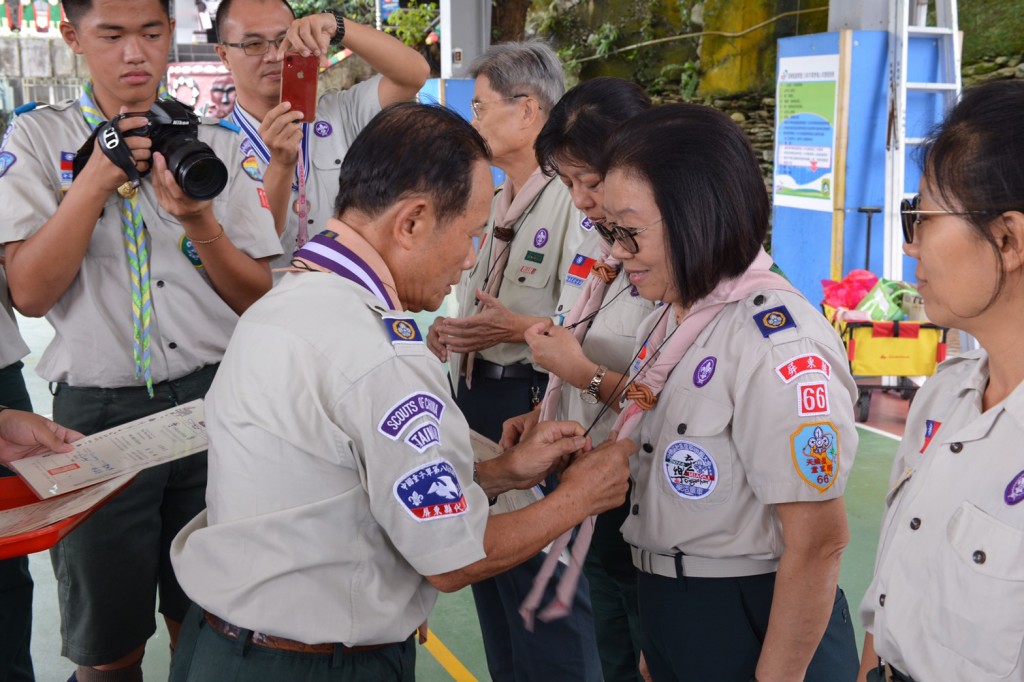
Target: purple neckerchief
<point>327,253</point>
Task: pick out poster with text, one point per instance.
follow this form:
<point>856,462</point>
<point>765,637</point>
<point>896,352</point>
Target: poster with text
<point>805,134</point>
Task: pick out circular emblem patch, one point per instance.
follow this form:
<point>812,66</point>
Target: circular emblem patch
<point>705,370</point>
<point>541,238</point>
<point>187,248</point>
<point>403,330</point>
<point>1015,490</point>
<point>774,319</point>
<point>322,128</point>
<point>690,470</point>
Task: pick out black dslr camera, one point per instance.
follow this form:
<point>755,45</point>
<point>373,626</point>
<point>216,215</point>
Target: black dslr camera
<point>174,129</point>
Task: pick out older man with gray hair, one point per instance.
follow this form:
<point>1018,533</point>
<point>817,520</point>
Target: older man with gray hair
<point>522,277</point>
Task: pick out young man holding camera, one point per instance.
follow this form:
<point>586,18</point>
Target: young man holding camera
<point>143,287</point>
<point>300,162</point>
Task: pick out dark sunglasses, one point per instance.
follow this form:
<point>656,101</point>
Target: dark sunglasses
<point>625,236</point>
<point>910,216</point>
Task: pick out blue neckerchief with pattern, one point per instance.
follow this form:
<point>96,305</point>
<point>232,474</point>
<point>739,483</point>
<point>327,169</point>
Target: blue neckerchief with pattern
<point>136,247</point>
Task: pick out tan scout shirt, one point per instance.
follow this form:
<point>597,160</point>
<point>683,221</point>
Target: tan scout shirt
<point>12,346</point>
<point>946,599</point>
<point>340,116</point>
<point>748,419</point>
<point>547,239</point>
<point>340,473</point>
<point>191,323</point>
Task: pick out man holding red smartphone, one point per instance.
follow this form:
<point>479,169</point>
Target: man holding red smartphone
<point>299,162</point>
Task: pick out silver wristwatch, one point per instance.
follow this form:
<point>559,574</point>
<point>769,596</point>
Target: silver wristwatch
<point>589,395</point>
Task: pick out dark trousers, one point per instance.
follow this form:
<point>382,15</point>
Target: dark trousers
<point>15,579</point>
<point>703,629</point>
<point>564,649</point>
<point>110,568</point>
<point>205,655</point>
<point>613,593</point>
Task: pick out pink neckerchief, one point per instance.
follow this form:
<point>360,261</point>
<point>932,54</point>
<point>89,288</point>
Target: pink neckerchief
<point>642,395</point>
<point>508,211</point>
<point>587,304</point>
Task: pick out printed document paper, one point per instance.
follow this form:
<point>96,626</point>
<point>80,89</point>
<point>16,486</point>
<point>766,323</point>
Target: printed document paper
<point>126,449</point>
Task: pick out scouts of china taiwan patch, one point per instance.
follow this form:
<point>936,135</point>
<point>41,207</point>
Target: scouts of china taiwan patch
<point>815,449</point>
<point>403,330</point>
<point>407,410</point>
<point>690,470</point>
<point>431,491</point>
<point>425,436</point>
<point>774,320</point>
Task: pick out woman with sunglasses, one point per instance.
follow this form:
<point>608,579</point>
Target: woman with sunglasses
<point>945,600</point>
<point>591,352</point>
<point>743,406</point>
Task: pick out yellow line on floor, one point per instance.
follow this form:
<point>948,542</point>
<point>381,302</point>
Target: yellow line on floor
<point>447,659</point>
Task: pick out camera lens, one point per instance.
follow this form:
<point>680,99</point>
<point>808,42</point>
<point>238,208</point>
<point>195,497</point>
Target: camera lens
<point>197,170</point>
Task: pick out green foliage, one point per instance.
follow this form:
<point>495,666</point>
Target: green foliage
<point>363,11</point>
<point>603,41</point>
<point>412,24</point>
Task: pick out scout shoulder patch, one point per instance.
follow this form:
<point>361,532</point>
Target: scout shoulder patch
<point>774,320</point>
<point>815,449</point>
<point>705,371</point>
<point>690,470</point>
<point>812,399</point>
<point>402,330</point>
<point>425,436</point>
<point>802,364</point>
<point>408,410</point>
<point>7,160</point>
<point>1014,492</point>
<point>431,491</point>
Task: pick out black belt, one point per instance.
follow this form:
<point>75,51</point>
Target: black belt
<point>891,673</point>
<point>496,372</point>
<point>282,644</point>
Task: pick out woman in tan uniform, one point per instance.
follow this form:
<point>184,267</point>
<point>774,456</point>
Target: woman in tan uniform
<point>945,602</point>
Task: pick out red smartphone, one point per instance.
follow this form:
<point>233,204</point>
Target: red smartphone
<point>299,82</point>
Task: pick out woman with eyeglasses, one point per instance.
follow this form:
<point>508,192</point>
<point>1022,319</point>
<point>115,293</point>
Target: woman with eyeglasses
<point>945,601</point>
<point>743,405</point>
<point>588,355</point>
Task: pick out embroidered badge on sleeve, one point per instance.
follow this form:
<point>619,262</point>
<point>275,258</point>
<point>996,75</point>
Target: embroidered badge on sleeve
<point>774,320</point>
<point>431,491</point>
<point>815,449</point>
<point>812,399</point>
<point>403,330</point>
<point>409,409</point>
<point>803,364</point>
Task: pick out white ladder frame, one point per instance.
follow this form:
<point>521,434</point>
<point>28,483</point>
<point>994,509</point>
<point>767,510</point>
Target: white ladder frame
<point>901,30</point>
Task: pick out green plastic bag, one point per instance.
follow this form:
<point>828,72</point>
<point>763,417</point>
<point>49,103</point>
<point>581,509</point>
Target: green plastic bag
<point>883,302</point>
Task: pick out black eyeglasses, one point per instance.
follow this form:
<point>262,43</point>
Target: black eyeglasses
<point>626,236</point>
<point>256,47</point>
<point>910,216</point>
<point>603,231</point>
<point>477,105</point>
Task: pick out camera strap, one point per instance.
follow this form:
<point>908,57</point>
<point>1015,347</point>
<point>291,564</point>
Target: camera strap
<point>112,143</point>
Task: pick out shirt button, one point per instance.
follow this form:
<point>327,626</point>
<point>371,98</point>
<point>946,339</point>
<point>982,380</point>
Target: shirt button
<point>560,308</point>
<point>337,161</point>
<point>956,447</point>
<point>978,557</point>
<point>310,221</point>
<point>881,600</point>
<point>648,447</point>
<point>681,429</point>
<point>915,523</point>
<point>522,279</point>
<point>759,300</point>
<point>160,284</point>
<point>172,345</point>
<point>636,509</point>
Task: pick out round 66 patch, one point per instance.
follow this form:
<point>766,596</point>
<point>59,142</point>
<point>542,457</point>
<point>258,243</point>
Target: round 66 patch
<point>690,470</point>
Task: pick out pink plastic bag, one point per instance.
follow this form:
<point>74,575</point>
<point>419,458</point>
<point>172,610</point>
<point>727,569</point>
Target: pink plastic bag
<point>850,291</point>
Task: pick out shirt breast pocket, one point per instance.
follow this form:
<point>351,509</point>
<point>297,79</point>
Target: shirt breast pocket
<point>975,589</point>
<point>108,237</point>
<point>697,465</point>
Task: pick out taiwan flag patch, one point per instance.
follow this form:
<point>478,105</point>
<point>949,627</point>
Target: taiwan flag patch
<point>431,492</point>
<point>581,266</point>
